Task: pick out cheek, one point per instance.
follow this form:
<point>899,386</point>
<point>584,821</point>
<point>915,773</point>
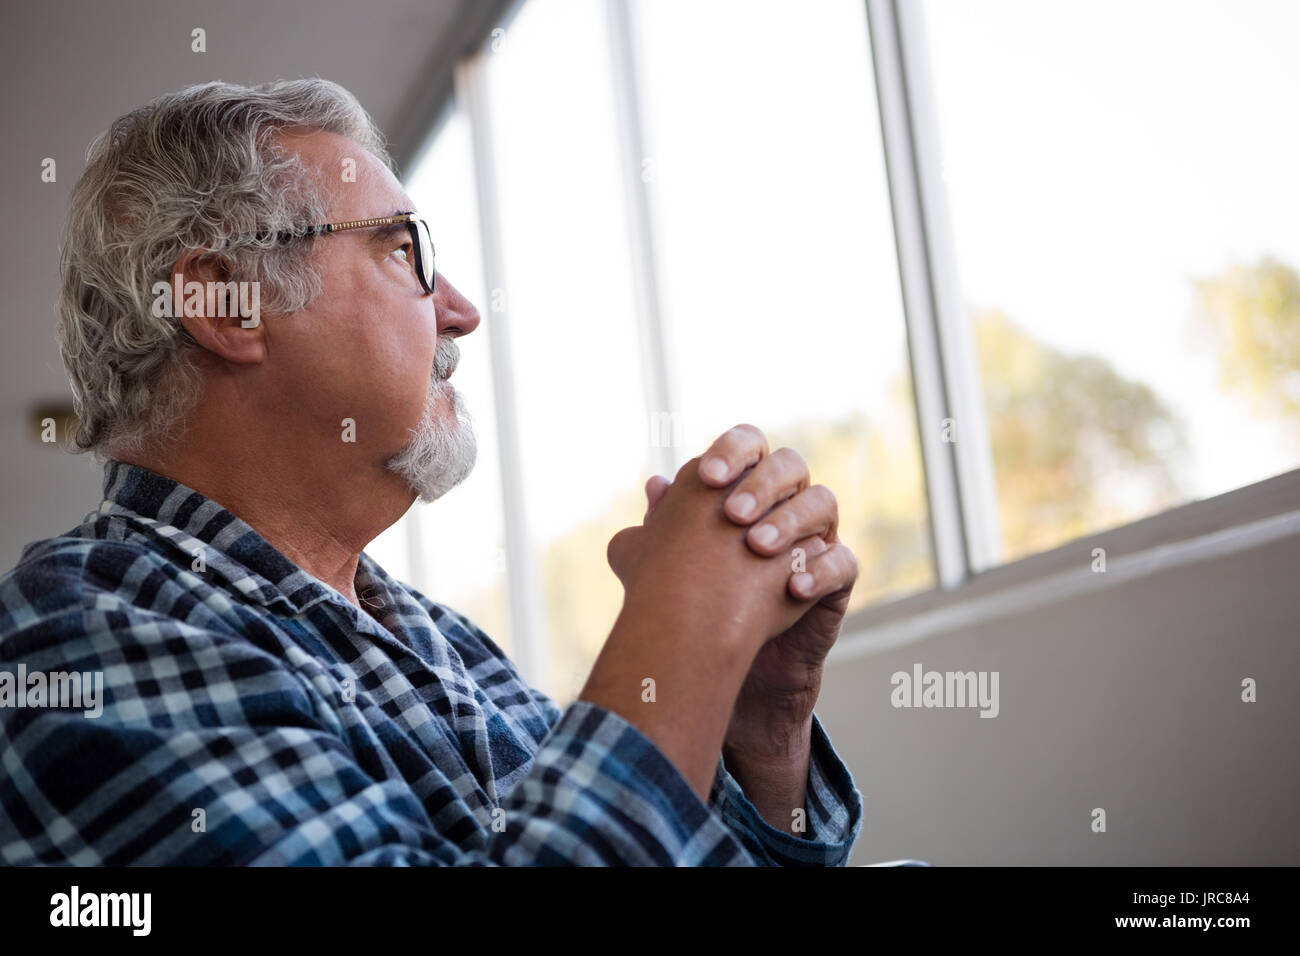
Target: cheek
<point>376,328</point>
<point>400,357</point>
<point>403,350</point>
<point>370,349</point>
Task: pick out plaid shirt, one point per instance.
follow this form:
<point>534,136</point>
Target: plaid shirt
<point>252,715</point>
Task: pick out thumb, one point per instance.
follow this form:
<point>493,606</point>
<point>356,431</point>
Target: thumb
<point>655,489</point>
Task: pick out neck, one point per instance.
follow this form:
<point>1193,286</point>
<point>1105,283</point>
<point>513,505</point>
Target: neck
<point>318,507</point>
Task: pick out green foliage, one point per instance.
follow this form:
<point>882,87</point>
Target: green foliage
<point>1066,431</point>
<point>1254,313</point>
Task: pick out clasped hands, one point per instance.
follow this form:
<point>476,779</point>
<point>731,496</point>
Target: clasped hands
<point>784,607</point>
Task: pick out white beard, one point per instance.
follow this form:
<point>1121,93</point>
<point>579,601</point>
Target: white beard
<point>440,454</point>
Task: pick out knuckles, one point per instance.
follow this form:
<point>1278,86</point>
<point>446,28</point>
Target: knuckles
<point>618,549</point>
<point>827,503</point>
<point>742,438</point>
<point>790,457</point>
<point>748,432</point>
<point>690,468</point>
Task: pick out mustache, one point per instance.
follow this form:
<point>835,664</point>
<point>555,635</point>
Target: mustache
<point>446,358</point>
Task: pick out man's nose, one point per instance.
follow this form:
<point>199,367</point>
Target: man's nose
<point>456,314</point>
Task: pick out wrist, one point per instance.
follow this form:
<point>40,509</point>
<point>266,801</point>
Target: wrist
<point>673,683</point>
<point>727,632</point>
<point>777,787</point>
<point>766,742</point>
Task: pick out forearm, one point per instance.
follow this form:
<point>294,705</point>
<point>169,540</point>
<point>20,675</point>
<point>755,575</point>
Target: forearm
<point>697,671</point>
<point>776,782</point>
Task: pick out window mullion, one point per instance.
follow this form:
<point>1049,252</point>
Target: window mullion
<point>527,620</point>
<point>663,434</point>
<point>947,532</point>
<point>953,432</point>
<point>973,450</point>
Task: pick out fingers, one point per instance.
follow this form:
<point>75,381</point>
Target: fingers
<point>813,511</point>
<point>781,475</point>
<point>828,572</point>
<point>735,450</point>
<point>805,549</point>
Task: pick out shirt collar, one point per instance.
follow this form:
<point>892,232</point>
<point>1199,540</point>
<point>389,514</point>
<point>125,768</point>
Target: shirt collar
<point>206,532</point>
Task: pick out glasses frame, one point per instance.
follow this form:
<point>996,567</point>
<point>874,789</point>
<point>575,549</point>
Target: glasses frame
<point>414,222</point>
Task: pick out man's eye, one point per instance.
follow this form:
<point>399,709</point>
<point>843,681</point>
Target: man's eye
<point>405,256</point>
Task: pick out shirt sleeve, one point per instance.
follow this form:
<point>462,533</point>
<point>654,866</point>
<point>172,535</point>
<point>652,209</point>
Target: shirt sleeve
<point>833,804</point>
<point>833,807</point>
<point>213,750</point>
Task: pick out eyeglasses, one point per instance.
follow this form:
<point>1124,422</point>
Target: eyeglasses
<point>421,242</point>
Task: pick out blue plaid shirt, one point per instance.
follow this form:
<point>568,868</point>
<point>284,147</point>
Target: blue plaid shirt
<point>252,715</point>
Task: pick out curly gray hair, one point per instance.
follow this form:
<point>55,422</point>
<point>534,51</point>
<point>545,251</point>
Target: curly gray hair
<point>198,169</point>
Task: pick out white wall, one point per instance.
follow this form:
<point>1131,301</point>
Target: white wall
<point>1120,691</point>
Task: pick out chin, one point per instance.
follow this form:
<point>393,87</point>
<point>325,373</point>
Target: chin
<point>442,448</point>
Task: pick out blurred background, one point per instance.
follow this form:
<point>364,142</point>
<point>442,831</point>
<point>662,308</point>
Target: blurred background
<point>1019,279</point>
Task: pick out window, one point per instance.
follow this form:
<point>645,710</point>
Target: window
<point>759,208</point>
<point>566,296</point>
<point>1124,207</point>
<point>869,229</point>
<point>780,284</point>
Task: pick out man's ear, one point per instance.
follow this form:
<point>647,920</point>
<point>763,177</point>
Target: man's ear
<point>221,314</point>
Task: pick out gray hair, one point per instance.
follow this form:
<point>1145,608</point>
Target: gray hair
<point>198,169</point>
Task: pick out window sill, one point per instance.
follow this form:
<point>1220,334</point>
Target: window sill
<point>1218,526</point>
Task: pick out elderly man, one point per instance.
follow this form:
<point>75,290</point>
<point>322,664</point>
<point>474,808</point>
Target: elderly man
<point>270,694</point>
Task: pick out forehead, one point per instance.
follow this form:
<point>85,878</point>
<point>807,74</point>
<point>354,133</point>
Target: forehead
<point>357,183</point>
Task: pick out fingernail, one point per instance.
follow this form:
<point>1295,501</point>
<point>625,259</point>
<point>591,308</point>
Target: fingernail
<point>742,504</point>
<point>715,468</point>
<point>765,535</point>
<point>803,582</point>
